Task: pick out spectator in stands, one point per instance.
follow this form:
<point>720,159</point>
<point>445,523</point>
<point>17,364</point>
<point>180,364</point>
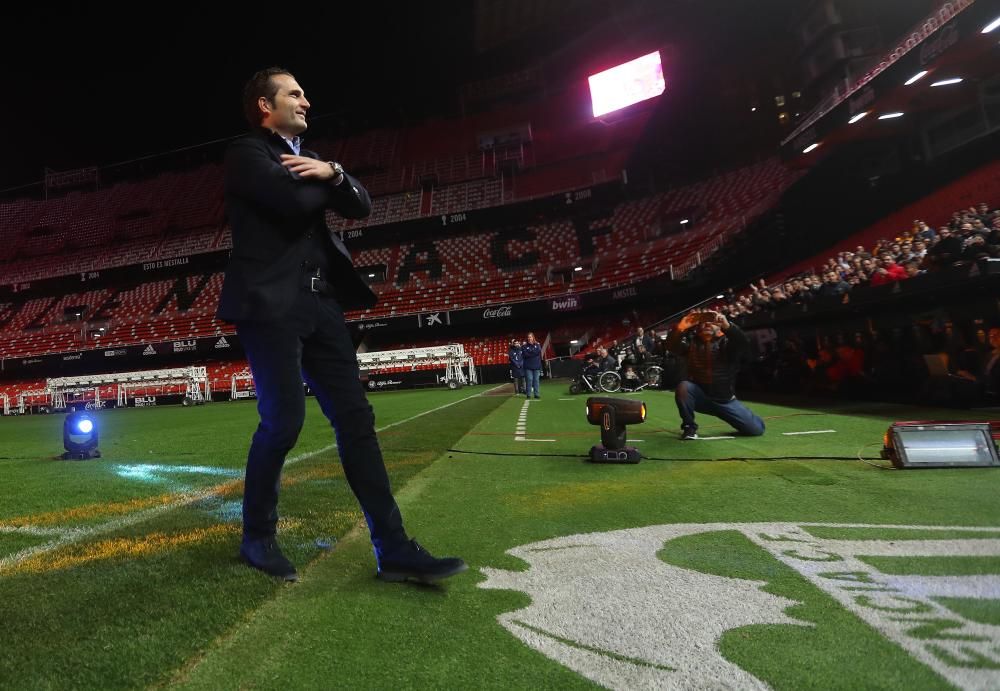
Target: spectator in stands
<point>833,285</point>
<point>713,347</point>
<point>912,269</point>
<point>976,249</point>
<point>889,272</point>
<point>945,251</point>
<point>287,285</point>
<point>532,353</point>
<point>924,232</point>
<point>984,213</point>
<point>516,365</point>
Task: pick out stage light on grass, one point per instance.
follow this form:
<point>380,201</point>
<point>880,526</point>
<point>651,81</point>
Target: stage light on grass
<point>940,445</point>
<point>80,437</point>
<point>613,415</point>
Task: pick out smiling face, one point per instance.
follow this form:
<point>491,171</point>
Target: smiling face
<point>286,112</point>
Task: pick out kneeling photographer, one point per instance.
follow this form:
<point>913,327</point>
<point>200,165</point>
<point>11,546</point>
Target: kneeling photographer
<point>713,348</point>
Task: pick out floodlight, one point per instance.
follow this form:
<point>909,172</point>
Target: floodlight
<point>948,82</point>
<point>915,78</point>
<point>858,117</point>
<point>80,437</point>
<point>927,444</point>
<point>613,414</point>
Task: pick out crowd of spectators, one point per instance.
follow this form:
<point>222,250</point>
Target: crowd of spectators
<point>945,360</point>
<point>970,235</point>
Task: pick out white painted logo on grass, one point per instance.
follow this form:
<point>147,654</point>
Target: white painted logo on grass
<point>606,606</point>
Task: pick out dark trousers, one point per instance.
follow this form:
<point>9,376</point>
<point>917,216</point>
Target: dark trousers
<point>312,342</point>
<point>691,398</point>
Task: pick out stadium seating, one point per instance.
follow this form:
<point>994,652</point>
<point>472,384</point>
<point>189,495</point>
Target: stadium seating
<point>634,248</point>
<point>982,184</point>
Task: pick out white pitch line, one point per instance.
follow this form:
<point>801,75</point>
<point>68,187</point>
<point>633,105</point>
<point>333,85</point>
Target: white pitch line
<point>31,530</point>
<point>567,399</point>
<point>70,536</point>
<point>521,429</point>
<point>710,438</point>
<point>812,431</point>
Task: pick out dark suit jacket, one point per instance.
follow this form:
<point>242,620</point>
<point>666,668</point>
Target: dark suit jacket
<point>276,218</point>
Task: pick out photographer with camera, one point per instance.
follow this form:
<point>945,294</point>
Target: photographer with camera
<point>713,348</point>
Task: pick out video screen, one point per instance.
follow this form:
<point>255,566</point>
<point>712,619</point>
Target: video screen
<point>628,83</point>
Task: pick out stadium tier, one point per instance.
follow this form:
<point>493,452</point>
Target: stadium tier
<point>936,209</point>
<point>630,244</point>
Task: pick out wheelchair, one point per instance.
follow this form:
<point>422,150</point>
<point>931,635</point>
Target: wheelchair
<point>631,378</point>
<point>587,381</point>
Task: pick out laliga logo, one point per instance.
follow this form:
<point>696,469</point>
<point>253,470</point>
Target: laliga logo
<point>605,605</point>
<point>497,312</point>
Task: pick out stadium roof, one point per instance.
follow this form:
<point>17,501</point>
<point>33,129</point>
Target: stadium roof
<point>99,87</point>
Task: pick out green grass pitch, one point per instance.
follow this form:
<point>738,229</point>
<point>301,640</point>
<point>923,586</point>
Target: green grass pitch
<point>771,562</point>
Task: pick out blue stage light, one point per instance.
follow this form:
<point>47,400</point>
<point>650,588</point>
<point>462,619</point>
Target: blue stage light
<point>80,436</point>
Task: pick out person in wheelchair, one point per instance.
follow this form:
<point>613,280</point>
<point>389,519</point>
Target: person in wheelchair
<point>630,378</point>
<point>588,379</point>
<point>637,371</point>
<point>607,362</point>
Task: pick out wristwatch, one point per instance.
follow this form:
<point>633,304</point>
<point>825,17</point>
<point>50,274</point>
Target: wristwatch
<point>337,168</point>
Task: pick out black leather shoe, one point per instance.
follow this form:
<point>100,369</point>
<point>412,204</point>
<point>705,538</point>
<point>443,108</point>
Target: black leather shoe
<point>410,561</point>
<point>265,555</point>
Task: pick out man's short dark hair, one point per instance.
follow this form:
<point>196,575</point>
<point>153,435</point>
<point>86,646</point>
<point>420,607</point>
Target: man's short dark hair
<point>260,84</point>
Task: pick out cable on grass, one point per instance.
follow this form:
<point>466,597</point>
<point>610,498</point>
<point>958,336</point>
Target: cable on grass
<point>869,461</point>
<point>686,460</point>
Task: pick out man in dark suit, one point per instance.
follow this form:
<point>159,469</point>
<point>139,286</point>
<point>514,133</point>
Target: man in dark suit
<point>288,282</point>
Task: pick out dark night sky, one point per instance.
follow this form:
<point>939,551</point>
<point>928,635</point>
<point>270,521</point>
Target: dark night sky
<point>89,87</point>
<point>82,91</point>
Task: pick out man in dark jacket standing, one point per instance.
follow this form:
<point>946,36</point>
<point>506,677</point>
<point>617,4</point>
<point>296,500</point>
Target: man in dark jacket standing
<point>516,365</point>
<point>532,353</point>
<point>288,282</point>
<point>713,348</point>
